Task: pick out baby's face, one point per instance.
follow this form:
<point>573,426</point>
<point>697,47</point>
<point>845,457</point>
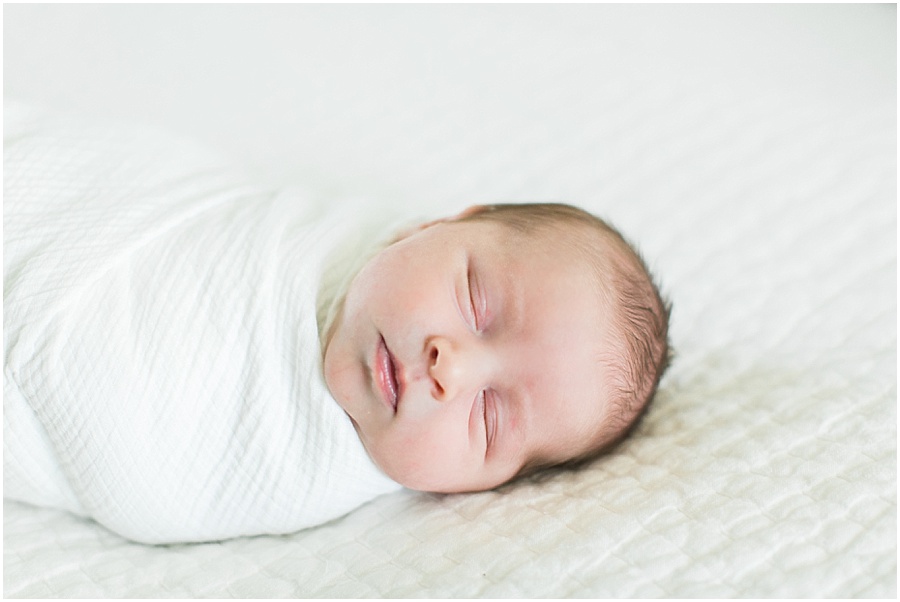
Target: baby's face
<point>464,351</point>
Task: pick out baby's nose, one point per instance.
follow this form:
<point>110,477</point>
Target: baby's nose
<point>447,368</point>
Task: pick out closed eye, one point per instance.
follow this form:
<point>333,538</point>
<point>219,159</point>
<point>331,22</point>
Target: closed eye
<point>475,300</point>
<point>490,419</point>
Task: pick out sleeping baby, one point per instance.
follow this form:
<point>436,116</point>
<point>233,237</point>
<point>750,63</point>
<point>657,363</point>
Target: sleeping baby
<point>486,346</point>
<point>190,357</point>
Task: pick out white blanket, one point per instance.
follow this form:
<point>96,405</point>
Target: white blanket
<point>163,366</point>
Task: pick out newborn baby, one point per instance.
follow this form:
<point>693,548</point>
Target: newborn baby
<point>190,357</point>
<point>485,346</point>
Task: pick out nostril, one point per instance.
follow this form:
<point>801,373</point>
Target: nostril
<point>438,367</point>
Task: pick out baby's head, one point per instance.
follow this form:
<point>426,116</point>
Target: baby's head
<point>510,337</point>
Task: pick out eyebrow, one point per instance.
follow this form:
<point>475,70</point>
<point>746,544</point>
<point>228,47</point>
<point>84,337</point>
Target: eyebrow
<point>512,303</point>
<point>516,428</point>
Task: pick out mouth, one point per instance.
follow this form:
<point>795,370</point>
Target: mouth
<point>386,375</point>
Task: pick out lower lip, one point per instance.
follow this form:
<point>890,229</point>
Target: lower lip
<point>383,376</point>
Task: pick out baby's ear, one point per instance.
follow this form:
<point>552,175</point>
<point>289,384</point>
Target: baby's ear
<point>469,212</point>
<point>407,231</point>
<point>410,230</point>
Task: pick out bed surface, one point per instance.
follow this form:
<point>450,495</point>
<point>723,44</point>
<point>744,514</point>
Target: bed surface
<point>750,151</point>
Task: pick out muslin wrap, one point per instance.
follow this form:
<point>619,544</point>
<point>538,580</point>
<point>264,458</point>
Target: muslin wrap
<point>162,321</point>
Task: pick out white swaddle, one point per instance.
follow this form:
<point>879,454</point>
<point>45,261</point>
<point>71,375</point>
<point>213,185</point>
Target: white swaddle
<point>162,356</point>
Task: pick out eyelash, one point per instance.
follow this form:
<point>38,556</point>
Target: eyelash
<point>488,431</point>
<point>472,304</point>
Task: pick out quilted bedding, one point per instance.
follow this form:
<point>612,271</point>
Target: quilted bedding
<point>765,199</point>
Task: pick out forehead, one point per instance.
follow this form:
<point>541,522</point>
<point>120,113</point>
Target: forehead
<point>557,329</point>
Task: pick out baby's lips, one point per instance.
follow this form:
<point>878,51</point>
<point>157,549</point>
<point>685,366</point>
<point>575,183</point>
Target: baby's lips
<point>384,375</point>
<point>399,376</point>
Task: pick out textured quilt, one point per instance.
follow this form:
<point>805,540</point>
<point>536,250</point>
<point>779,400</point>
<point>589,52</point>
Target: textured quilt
<point>761,188</point>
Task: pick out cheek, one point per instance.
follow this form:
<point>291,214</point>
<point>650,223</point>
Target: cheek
<point>384,289</point>
<point>332,364</point>
<point>342,377</point>
<point>426,457</point>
